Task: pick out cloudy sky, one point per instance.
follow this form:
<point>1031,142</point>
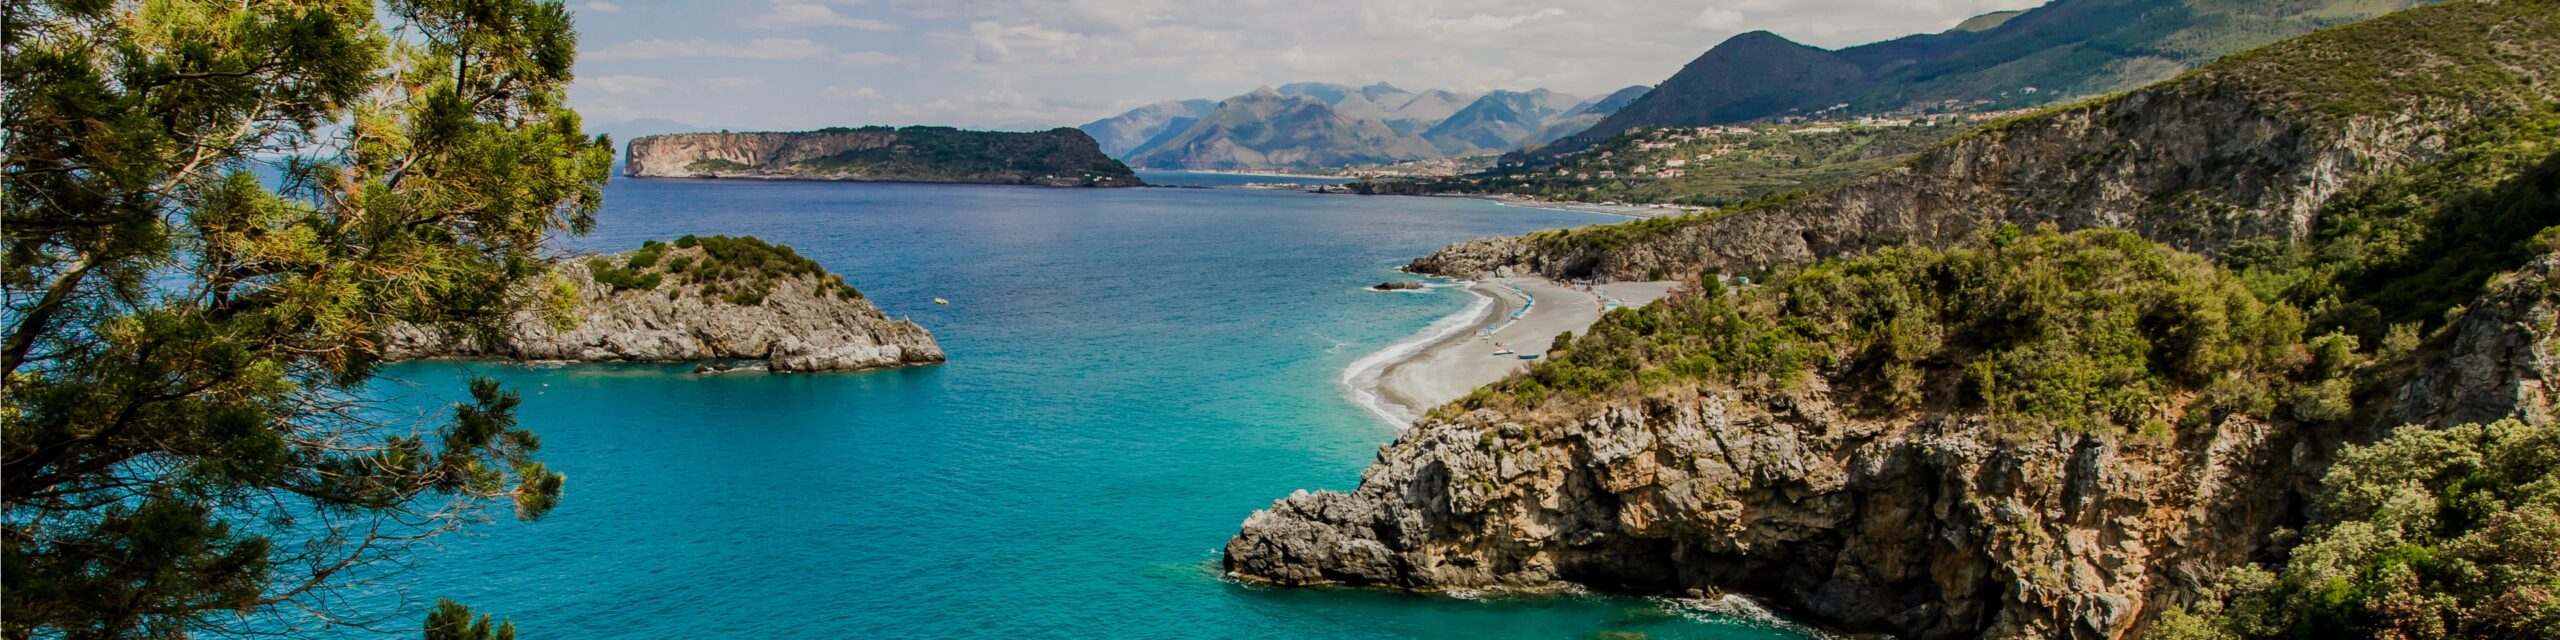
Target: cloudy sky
<point>1022,64</point>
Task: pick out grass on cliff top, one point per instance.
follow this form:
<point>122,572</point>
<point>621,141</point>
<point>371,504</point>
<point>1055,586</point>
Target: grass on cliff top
<point>2098,331</point>
<point>740,270</point>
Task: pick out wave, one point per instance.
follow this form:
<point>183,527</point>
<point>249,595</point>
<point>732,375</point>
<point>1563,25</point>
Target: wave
<point>1362,379</point>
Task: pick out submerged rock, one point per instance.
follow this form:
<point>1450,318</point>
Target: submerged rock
<point>1398,285</point>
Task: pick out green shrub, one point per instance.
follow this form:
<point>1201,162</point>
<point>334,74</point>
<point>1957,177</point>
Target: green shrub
<point>2430,533</point>
<point>2097,331</point>
<point>620,278</point>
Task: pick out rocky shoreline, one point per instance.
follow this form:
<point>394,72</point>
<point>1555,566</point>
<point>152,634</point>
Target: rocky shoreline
<point>803,321</point>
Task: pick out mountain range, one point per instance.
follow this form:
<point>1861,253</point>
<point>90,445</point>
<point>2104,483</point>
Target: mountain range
<point>2059,51</point>
<point>1315,124</point>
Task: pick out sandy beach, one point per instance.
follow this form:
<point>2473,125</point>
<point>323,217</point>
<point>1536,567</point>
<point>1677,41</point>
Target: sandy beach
<point>1454,358</point>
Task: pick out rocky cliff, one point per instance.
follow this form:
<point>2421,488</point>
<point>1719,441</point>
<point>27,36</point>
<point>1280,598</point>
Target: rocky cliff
<point>2248,149</point>
<point>1943,523</point>
<point>1055,158</point>
<point>686,306</point>
<point>1996,441</point>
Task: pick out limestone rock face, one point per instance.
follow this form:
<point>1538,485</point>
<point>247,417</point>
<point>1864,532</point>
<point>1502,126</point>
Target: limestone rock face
<point>2501,357</point>
<point>1933,525</point>
<point>803,325</point>
<point>1931,528</point>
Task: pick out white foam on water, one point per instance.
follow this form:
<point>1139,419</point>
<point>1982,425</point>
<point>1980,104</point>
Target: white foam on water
<point>1362,379</point>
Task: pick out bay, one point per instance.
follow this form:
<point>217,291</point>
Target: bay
<point>1132,373</point>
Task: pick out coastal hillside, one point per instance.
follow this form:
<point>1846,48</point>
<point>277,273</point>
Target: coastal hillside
<point>2242,156</point>
<point>695,299</point>
<point>1054,158</point>
<point>2062,50</point>
<point>2197,361</point>
<point>1265,129</point>
<point>2039,435</point>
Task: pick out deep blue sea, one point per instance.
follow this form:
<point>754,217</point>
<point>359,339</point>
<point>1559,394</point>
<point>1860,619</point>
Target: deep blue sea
<point>1132,373</point>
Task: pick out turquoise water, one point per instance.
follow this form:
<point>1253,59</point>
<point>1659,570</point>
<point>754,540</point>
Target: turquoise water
<point>1132,373</point>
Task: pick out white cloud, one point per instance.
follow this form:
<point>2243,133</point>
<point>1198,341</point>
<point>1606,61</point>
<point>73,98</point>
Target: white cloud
<point>981,62</point>
<point>1718,19</point>
<point>624,85</point>
<point>856,93</point>
<point>758,49</point>
<point>803,15</point>
<point>600,6</point>
<point>725,83</point>
<point>867,59</point>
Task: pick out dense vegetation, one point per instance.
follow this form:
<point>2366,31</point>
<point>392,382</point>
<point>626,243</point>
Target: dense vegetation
<point>960,154</point>
<point>2097,331</point>
<point>2406,249</point>
<point>209,211</point>
<point>1715,169</point>
<point>739,270</point>
<point>2451,533</point>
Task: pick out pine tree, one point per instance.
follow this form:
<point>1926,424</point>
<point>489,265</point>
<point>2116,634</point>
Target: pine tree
<point>209,212</point>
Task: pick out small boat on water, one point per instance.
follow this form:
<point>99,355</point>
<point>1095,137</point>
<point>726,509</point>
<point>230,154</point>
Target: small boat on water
<point>941,301</point>
<point>1504,352</point>
<point>1528,356</point>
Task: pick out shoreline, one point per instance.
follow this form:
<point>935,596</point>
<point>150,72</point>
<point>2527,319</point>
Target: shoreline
<point>1365,380</point>
<point>1250,174</point>
<point>1457,354</point>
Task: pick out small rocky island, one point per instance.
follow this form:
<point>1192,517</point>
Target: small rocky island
<point>694,300</point>
<point>1055,158</point>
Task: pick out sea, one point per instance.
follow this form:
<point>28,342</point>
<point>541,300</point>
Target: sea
<point>1132,373</point>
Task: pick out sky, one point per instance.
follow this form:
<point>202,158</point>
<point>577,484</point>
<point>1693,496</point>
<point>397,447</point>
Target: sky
<point>652,66</point>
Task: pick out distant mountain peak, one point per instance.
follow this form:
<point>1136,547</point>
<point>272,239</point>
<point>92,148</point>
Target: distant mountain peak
<point>1760,38</point>
<point>2064,49</point>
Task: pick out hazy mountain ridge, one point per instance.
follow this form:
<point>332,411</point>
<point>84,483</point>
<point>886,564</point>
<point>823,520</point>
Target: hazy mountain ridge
<point>1265,129</point>
<point>1339,124</point>
<point>1128,132</point>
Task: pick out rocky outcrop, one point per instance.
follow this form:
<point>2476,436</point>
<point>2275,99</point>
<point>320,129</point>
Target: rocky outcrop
<point>1056,158</point>
<point>1935,521</point>
<point>804,323</point>
<point>2246,150</point>
<point>1929,525</point>
<point>1928,528</point>
<point>2498,359</point>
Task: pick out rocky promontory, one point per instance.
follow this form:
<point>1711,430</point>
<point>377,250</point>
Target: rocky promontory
<point>1056,158</point>
<point>2085,374</point>
<point>695,299</point>
<point>1947,519</point>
